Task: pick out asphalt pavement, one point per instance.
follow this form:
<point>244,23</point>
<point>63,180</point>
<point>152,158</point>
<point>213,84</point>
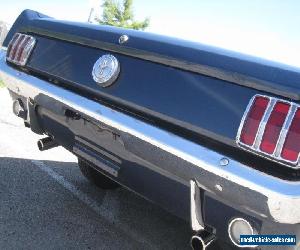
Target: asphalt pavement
<point>45,202</point>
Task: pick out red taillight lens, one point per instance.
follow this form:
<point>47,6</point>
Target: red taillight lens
<point>291,147</point>
<point>10,46</point>
<point>20,48</point>
<point>253,119</point>
<point>273,127</point>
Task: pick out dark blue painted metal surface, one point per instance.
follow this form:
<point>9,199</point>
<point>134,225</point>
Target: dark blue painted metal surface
<point>175,84</point>
<point>237,68</point>
<point>205,104</point>
<point>181,94</point>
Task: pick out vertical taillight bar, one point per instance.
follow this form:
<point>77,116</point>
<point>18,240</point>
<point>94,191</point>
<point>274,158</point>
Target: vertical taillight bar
<point>253,119</point>
<point>26,52</point>
<point>291,147</point>
<point>274,127</point>
<point>21,48</point>
<point>10,45</point>
<point>14,48</point>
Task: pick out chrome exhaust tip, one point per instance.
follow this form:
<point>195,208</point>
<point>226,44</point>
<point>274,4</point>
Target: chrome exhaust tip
<point>202,240</point>
<point>19,110</point>
<point>46,143</point>
<point>239,226</point>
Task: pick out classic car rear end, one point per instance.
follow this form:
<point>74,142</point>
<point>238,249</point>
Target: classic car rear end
<point>210,135</point>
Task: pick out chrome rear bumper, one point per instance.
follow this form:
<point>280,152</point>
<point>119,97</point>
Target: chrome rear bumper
<point>231,183</point>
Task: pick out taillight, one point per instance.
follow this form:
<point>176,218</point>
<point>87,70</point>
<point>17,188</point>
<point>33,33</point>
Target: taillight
<point>291,146</point>
<point>253,119</point>
<point>271,127</point>
<point>20,48</point>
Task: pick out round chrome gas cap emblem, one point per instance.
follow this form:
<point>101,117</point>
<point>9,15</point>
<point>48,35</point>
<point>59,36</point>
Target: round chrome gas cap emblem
<point>106,70</point>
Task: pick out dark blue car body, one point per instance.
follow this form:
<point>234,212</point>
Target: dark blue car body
<point>178,97</point>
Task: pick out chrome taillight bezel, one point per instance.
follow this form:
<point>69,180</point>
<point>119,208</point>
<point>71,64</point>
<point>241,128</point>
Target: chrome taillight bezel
<point>20,49</point>
<point>255,148</point>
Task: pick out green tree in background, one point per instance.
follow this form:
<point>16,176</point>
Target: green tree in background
<point>120,14</point>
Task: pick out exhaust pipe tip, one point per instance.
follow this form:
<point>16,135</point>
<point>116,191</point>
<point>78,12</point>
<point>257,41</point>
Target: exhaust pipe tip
<point>19,110</point>
<point>40,145</point>
<point>197,243</point>
<point>202,240</point>
<point>46,143</point>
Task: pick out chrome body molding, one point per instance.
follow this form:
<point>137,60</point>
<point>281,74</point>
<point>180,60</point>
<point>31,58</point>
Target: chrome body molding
<point>282,198</point>
<point>255,148</point>
<point>262,125</point>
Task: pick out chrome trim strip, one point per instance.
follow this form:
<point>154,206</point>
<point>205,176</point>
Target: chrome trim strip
<point>282,198</point>
<point>263,123</point>
<point>284,130</point>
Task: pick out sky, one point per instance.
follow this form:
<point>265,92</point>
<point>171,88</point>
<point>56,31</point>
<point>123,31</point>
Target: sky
<point>263,28</point>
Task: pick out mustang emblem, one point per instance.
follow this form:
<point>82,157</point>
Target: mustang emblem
<point>106,70</point>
